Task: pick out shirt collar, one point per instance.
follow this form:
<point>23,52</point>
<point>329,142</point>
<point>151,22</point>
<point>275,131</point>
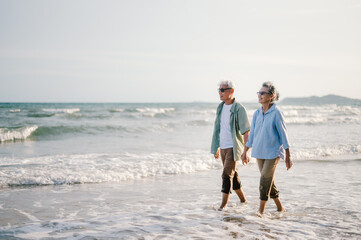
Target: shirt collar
<point>271,109</point>
<point>232,110</point>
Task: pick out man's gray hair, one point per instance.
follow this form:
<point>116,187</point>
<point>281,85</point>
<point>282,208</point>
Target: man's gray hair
<point>272,90</point>
<point>229,83</point>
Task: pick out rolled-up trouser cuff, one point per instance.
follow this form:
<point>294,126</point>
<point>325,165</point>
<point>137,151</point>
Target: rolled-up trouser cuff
<point>276,195</point>
<point>230,178</point>
<point>227,184</point>
<point>265,198</point>
<point>267,189</point>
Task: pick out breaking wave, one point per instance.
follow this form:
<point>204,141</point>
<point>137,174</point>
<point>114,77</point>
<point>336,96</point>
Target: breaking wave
<point>59,110</point>
<point>15,110</point>
<point>13,134</point>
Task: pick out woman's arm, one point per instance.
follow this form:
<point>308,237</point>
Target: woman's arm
<point>288,160</point>
<point>282,129</point>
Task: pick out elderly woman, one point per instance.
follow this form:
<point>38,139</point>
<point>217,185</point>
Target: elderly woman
<point>268,140</point>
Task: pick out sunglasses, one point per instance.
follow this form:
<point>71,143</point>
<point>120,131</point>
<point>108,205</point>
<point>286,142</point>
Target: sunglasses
<point>223,89</point>
<point>262,93</point>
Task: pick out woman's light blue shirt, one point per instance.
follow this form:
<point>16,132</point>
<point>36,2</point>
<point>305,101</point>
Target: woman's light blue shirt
<point>268,136</point>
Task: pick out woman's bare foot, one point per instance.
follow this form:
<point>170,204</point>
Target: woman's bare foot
<point>281,210</point>
<point>278,203</point>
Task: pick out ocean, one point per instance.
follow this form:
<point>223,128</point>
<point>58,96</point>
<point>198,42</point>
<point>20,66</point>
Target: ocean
<point>144,171</point>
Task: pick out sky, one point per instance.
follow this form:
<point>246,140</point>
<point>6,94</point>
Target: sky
<point>177,50</point>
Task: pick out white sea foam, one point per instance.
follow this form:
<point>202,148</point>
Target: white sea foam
<point>327,152</point>
<point>203,112</point>
<point>16,133</point>
<point>60,110</point>
<point>154,111</point>
<point>95,168</point>
<point>15,110</point>
<point>321,114</point>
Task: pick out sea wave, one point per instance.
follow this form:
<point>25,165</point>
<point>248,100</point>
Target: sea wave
<point>57,131</point>
<point>325,114</point>
<point>14,110</point>
<point>61,110</point>
<point>199,123</point>
<point>40,115</point>
<point>98,168</point>
<point>135,112</point>
<point>352,151</point>
<point>13,134</point>
<point>63,131</point>
<point>151,112</point>
<point>117,110</point>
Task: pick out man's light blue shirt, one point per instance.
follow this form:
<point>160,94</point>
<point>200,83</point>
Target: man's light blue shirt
<point>268,136</point>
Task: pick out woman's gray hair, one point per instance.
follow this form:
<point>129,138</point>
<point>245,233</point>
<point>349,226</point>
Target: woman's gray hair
<point>272,90</point>
<point>229,83</point>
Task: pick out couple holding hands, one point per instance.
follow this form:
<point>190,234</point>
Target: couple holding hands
<point>233,136</point>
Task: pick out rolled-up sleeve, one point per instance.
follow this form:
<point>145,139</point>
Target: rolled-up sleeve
<point>243,122</point>
<point>251,133</point>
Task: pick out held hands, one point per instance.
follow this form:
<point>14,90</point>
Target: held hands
<point>216,156</point>
<point>245,158</point>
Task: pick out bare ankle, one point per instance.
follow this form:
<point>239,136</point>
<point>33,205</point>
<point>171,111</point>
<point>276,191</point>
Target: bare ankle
<point>222,206</point>
<point>281,209</point>
<point>241,196</point>
<point>225,198</point>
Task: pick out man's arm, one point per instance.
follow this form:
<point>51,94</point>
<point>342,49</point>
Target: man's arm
<point>245,137</point>
<point>245,158</point>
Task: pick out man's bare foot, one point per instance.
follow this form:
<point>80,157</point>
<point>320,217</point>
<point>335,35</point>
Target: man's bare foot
<point>240,194</point>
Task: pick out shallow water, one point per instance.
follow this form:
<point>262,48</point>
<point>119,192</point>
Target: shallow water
<point>322,200</point>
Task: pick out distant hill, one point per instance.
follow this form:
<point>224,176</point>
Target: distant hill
<point>328,99</point>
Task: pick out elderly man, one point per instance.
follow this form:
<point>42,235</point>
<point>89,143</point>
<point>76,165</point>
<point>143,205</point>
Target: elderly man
<point>231,123</point>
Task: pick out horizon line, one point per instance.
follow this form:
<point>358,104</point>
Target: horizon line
<point>194,101</point>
